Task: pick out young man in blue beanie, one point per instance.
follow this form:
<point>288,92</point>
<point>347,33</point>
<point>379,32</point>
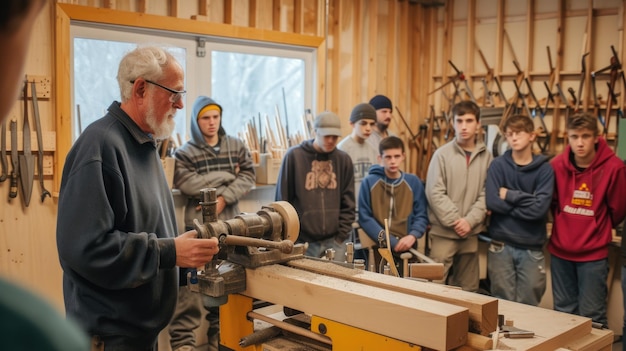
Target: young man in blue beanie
<point>384,110</point>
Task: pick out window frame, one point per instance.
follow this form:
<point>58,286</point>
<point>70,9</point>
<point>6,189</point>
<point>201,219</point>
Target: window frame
<point>65,14</point>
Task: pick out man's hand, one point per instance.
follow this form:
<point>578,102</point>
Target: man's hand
<point>221,204</point>
<point>405,243</point>
<point>462,227</point>
<point>503,191</point>
<point>194,252</point>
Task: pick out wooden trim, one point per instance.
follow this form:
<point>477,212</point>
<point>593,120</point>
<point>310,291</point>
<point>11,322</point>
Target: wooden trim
<point>132,19</point>
<point>62,84</point>
<point>65,13</point>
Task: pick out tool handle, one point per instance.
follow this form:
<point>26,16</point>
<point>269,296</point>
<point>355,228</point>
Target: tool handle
<point>13,188</point>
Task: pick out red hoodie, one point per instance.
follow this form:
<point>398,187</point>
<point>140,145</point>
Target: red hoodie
<point>587,205</point>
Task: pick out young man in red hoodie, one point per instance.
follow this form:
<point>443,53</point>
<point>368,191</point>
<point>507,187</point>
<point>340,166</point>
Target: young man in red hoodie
<point>588,202</point>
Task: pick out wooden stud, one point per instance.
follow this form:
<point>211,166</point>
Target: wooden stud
<point>252,13</point>
<point>142,6</point>
<point>298,16</point>
<point>392,47</point>
<point>357,31</point>
<point>276,15</point>
<point>228,11</point>
<point>173,4</point>
<point>203,7</point>
<point>372,67</point>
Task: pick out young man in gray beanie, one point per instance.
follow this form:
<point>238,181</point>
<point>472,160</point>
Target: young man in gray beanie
<point>384,110</point>
<point>364,155</point>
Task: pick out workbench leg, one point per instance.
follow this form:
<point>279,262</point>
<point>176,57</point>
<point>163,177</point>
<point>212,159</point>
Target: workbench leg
<point>234,323</point>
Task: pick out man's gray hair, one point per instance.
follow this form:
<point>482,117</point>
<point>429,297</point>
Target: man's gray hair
<point>145,62</point>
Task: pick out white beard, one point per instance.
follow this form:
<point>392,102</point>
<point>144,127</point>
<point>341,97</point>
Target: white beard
<point>165,128</point>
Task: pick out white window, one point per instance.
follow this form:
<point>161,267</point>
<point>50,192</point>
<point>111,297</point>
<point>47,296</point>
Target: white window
<point>249,79</point>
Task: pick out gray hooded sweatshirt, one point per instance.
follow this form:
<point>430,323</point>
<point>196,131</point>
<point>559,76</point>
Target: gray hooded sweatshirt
<point>227,167</point>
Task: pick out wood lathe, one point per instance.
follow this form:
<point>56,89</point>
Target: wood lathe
<point>336,306</point>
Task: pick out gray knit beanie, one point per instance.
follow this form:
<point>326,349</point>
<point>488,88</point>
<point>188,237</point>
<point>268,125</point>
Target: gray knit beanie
<point>362,111</point>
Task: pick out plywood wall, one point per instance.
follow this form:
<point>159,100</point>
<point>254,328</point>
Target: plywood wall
<point>386,47</point>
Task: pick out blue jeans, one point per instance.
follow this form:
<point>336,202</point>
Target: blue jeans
<point>516,274</point>
<point>318,248</point>
<point>580,287</point>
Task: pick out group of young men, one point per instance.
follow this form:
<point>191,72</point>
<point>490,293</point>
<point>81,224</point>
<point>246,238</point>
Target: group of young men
<point>468,195</point>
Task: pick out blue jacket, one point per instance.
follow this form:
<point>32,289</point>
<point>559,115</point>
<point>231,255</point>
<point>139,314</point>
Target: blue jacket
<point>402,201</point>
<point>520,219</point>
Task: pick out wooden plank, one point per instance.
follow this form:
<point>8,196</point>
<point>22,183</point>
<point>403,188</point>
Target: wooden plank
<point>483,310</point>
<point>434,324</point>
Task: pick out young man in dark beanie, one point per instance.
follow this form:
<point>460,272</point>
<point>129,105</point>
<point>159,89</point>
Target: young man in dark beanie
<point>384,110</point>
<point>362,121</point>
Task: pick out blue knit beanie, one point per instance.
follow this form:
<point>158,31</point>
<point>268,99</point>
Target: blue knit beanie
<point>381,101</point>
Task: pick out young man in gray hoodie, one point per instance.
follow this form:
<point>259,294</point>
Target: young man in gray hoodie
<point>211,159</point>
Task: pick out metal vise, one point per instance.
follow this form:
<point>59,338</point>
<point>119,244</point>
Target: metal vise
<point>249,240</point>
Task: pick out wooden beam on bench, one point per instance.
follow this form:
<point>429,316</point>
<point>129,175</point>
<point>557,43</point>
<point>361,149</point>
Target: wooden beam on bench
<point>398,315</point>
<point>483,310</point>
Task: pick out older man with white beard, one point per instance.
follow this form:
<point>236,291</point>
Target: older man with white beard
<point>116,230</point>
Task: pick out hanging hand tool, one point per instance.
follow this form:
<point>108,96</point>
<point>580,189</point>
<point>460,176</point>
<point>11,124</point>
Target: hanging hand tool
<point>44,192</point>
<point>461,76</point>
<point>583,74</point>
<point>3,152</point>
<point>14,162</point>
<point>488,95</point>
<point>413,142</point>
<point>27,163</point>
